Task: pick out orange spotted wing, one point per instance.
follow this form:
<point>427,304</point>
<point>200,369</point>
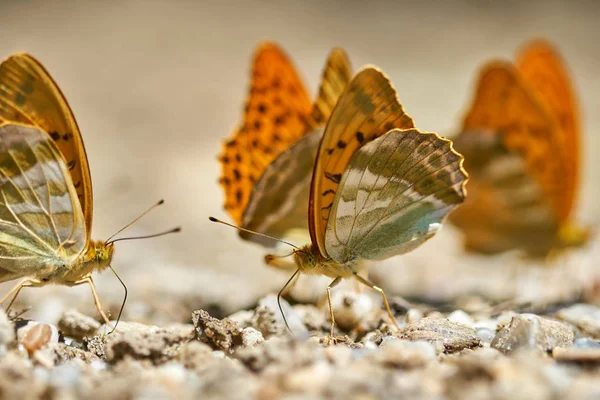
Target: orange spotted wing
<point>277,114</point>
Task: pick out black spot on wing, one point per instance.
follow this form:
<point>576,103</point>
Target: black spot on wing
<point>327,207</point>
<point>333,177</point>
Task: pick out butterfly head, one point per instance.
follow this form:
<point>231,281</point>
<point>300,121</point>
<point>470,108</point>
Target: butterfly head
<point>571,235</point>
<point>306,259</point>
<point>102,254</point>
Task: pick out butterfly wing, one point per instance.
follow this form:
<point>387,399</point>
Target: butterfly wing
<point>40,216</point>
<point>335,78</point>
<point>543,69</point>
<point>506,208</point>
<point>368,108</point>
<point>504,106</point>
<point>277,115</point>
<point>29,95</point>
<point>278,199</point>
<point>393,196</point>
<point>511,146</point>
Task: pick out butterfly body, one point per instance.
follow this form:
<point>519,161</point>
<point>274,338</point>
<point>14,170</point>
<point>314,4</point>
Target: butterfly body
<point>61,270</point>
<point>310,261</point>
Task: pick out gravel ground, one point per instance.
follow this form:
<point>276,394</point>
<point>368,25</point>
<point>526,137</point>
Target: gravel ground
<point>482,351</point>
<point>156,85</point>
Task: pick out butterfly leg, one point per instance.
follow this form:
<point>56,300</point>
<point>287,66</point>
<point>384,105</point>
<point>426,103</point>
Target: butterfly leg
<point>90,282</point>
<point>331,285</point>
<point>380,290</point>
<point>14,292</point>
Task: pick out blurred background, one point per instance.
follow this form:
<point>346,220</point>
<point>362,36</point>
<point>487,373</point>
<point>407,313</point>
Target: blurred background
<point>156,86</point>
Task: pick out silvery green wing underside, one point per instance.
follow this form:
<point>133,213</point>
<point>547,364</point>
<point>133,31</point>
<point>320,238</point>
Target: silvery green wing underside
<point>279,200</point>
<point>394,195</point>
<point>41,222</point>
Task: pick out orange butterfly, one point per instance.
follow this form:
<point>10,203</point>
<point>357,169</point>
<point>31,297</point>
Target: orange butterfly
<point>265,180</point>
<point>521,145</point>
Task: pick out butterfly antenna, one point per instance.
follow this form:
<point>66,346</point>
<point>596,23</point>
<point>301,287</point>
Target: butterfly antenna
<point>213,219</point>
<point>279,298</point>
<point>174,230</point>
<point>124,299</point>
<point>136,219</point>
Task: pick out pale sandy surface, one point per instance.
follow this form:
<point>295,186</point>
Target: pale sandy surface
<point>157,85</point>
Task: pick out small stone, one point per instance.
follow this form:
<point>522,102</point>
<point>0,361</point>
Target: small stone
<point>35,336</point>
<point>489,324</point>
<point>504,318</point>
<point>584,316</point>
<point>64,353</point>
<point>374,337</point>
<point>461,317</point>
<point>453,337</point>
<point>586,343</point>
<point>413,315</point>
<point>311,317</point>
<point>528,331</point>
<point>243,317</point>
<point>265,321</point>
<point>76,325</point>
<point>277,322</point>
<point>196,354</point>
<point>485,335</point>
<point>251,337</point>
<point>309,380</point>
<point>96,345</point>
<point>576,355</point>
<point>280,354</point>
<point>350,308</point>
<point>397,353</point>
<point>157,345</point>
<point>220,334</point>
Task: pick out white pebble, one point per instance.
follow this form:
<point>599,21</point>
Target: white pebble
<point>461,317</point>
<point>413,315</point>
<point>251,337</point>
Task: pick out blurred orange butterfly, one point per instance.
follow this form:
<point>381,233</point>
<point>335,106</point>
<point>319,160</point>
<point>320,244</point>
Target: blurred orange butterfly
<point>267,163</point>
<point>520,140</point>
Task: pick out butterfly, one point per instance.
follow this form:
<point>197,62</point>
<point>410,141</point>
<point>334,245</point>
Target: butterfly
<point>379,187</point>
<point>45,186</point>
<point>521,139</point>
<point>267,164</point>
